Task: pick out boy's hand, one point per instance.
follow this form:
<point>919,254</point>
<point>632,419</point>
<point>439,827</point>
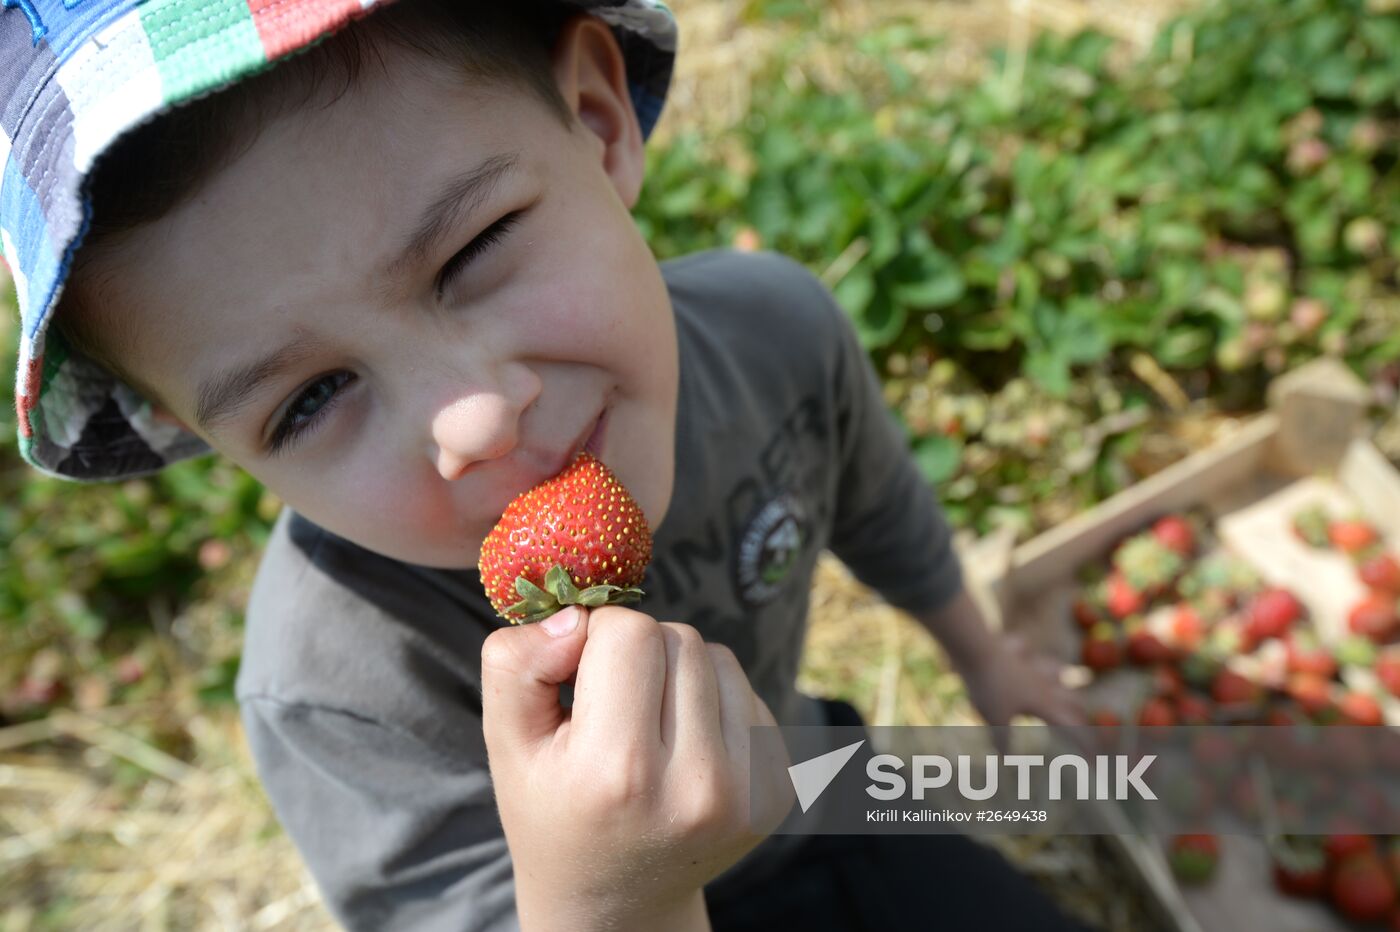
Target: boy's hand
<point>619,811</point>
<point>1004,678</point>
<point>1009,680</point>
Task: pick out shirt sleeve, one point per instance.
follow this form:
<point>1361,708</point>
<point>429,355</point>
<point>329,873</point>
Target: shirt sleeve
<point>397,835</point>
<point>888,528</point>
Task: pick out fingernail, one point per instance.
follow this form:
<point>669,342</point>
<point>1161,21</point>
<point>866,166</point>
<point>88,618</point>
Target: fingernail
<point>563,622</point>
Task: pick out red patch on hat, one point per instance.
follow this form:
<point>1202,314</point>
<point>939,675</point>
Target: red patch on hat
<point>26,401</point>
<point>287,25</point>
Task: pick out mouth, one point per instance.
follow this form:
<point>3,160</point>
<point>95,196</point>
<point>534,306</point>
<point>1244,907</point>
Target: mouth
<point>594,443</point>
<point>591,440</point>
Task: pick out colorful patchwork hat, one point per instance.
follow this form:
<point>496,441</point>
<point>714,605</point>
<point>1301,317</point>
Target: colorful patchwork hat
<point>75,75</point>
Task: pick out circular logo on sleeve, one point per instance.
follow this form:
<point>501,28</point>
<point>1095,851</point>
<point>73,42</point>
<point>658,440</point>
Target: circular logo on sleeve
<point>769,548</point>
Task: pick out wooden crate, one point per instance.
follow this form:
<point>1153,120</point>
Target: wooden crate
<point>1308,447</point>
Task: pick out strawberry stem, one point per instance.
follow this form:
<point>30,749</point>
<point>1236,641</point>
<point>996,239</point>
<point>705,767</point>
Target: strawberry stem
<point>537,604</point>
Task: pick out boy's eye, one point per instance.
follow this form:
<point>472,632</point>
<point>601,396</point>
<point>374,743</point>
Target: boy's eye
<point>307,411</point>
<point>482,242</point>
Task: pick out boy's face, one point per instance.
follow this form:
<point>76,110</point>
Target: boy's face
<point>384,396</point>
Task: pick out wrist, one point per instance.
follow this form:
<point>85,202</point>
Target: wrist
<point>563,914</point>
<point>963,633</point>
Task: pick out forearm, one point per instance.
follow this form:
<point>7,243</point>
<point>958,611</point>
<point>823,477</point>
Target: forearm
<point>962,630</point>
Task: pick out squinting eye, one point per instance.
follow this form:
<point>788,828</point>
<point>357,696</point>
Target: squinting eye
<point>482,242</point>
<point>306,411</point>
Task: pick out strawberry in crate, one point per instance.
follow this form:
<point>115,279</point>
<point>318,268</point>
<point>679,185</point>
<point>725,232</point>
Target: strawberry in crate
<point>1218,585</point>
<point>1145,567</point>
<point>1354,536</point>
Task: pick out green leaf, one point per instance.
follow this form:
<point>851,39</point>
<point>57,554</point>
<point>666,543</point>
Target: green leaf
<point>881,323</point>
<point>884,237</point>
<point>940,283</point>
<point>855,291</point>
<point>559,584</point>
<point>594,596</point>
<point>1050,370</point>
<point>938,457</point>
<point>528,590</point>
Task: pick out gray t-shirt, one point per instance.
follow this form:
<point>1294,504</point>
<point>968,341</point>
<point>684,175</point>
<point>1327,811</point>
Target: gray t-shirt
<point>360,683</point>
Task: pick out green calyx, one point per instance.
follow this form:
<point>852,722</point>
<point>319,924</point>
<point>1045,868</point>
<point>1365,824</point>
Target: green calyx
<point>537,604</point>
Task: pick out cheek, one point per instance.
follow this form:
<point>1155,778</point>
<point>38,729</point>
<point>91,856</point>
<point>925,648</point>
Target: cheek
<point>578,318</point>
<point>359,501</point>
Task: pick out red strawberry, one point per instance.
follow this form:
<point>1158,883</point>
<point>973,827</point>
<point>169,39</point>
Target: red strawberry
<point>1300,869</point>
<point>1191,709</point>
<point>1312,692</point>
<point>1374,617</point>
<point>1100,650</point>
<point>1244,796</point>
<point>1308,655</point>
<point>1193,857</point>
<point>584,522</point>
<point>1388,670</point>
<point>1175,532</point>
<point>1167,681</point>
<point>1145,648</point>
<point>1343,844</point>
<point>1360,709</point>
<point>1086,615</point>
<point>1272,613</point>
<point>1103,718</point>
<point>1362,889</point>
<point>1122,599</point>
<point>1352,535</point>
<point>1188,630</point>
<point>1381,572</point>
<point>1231,689</point>
<point>1157,712</point>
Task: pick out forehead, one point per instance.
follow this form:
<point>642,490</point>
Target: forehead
<point>314,205</point>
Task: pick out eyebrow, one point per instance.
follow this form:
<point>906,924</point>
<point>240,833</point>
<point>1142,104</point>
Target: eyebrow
<point>224,395</point>
<point>456,199</point>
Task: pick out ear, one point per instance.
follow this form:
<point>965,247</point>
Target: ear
<point>592,77</point>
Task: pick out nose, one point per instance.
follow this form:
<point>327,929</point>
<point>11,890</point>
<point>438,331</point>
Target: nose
<point>480,422</point>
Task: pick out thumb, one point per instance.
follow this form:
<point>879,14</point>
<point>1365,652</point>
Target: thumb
<point>521,669</point>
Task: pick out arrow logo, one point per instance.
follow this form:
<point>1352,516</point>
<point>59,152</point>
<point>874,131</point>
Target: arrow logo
<point>811,777</point>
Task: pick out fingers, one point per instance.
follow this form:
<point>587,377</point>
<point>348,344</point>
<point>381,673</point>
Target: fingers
<point>1062,708</point>
<point>621,676</point>
<point>738,706</point>
<point>521,669</point>
<point>690,698</point>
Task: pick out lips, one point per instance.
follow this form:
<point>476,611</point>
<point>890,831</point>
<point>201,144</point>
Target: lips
<point>594,443</point>
<point>591,439</point>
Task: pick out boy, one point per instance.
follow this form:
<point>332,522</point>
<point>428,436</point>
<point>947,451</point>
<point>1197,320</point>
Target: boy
<point>396,279</point>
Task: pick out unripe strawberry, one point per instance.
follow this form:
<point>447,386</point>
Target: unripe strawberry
<point>1307,314</point>
<point>1364,236</point>
<point>579,538</point>
<point>1193,857</point>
